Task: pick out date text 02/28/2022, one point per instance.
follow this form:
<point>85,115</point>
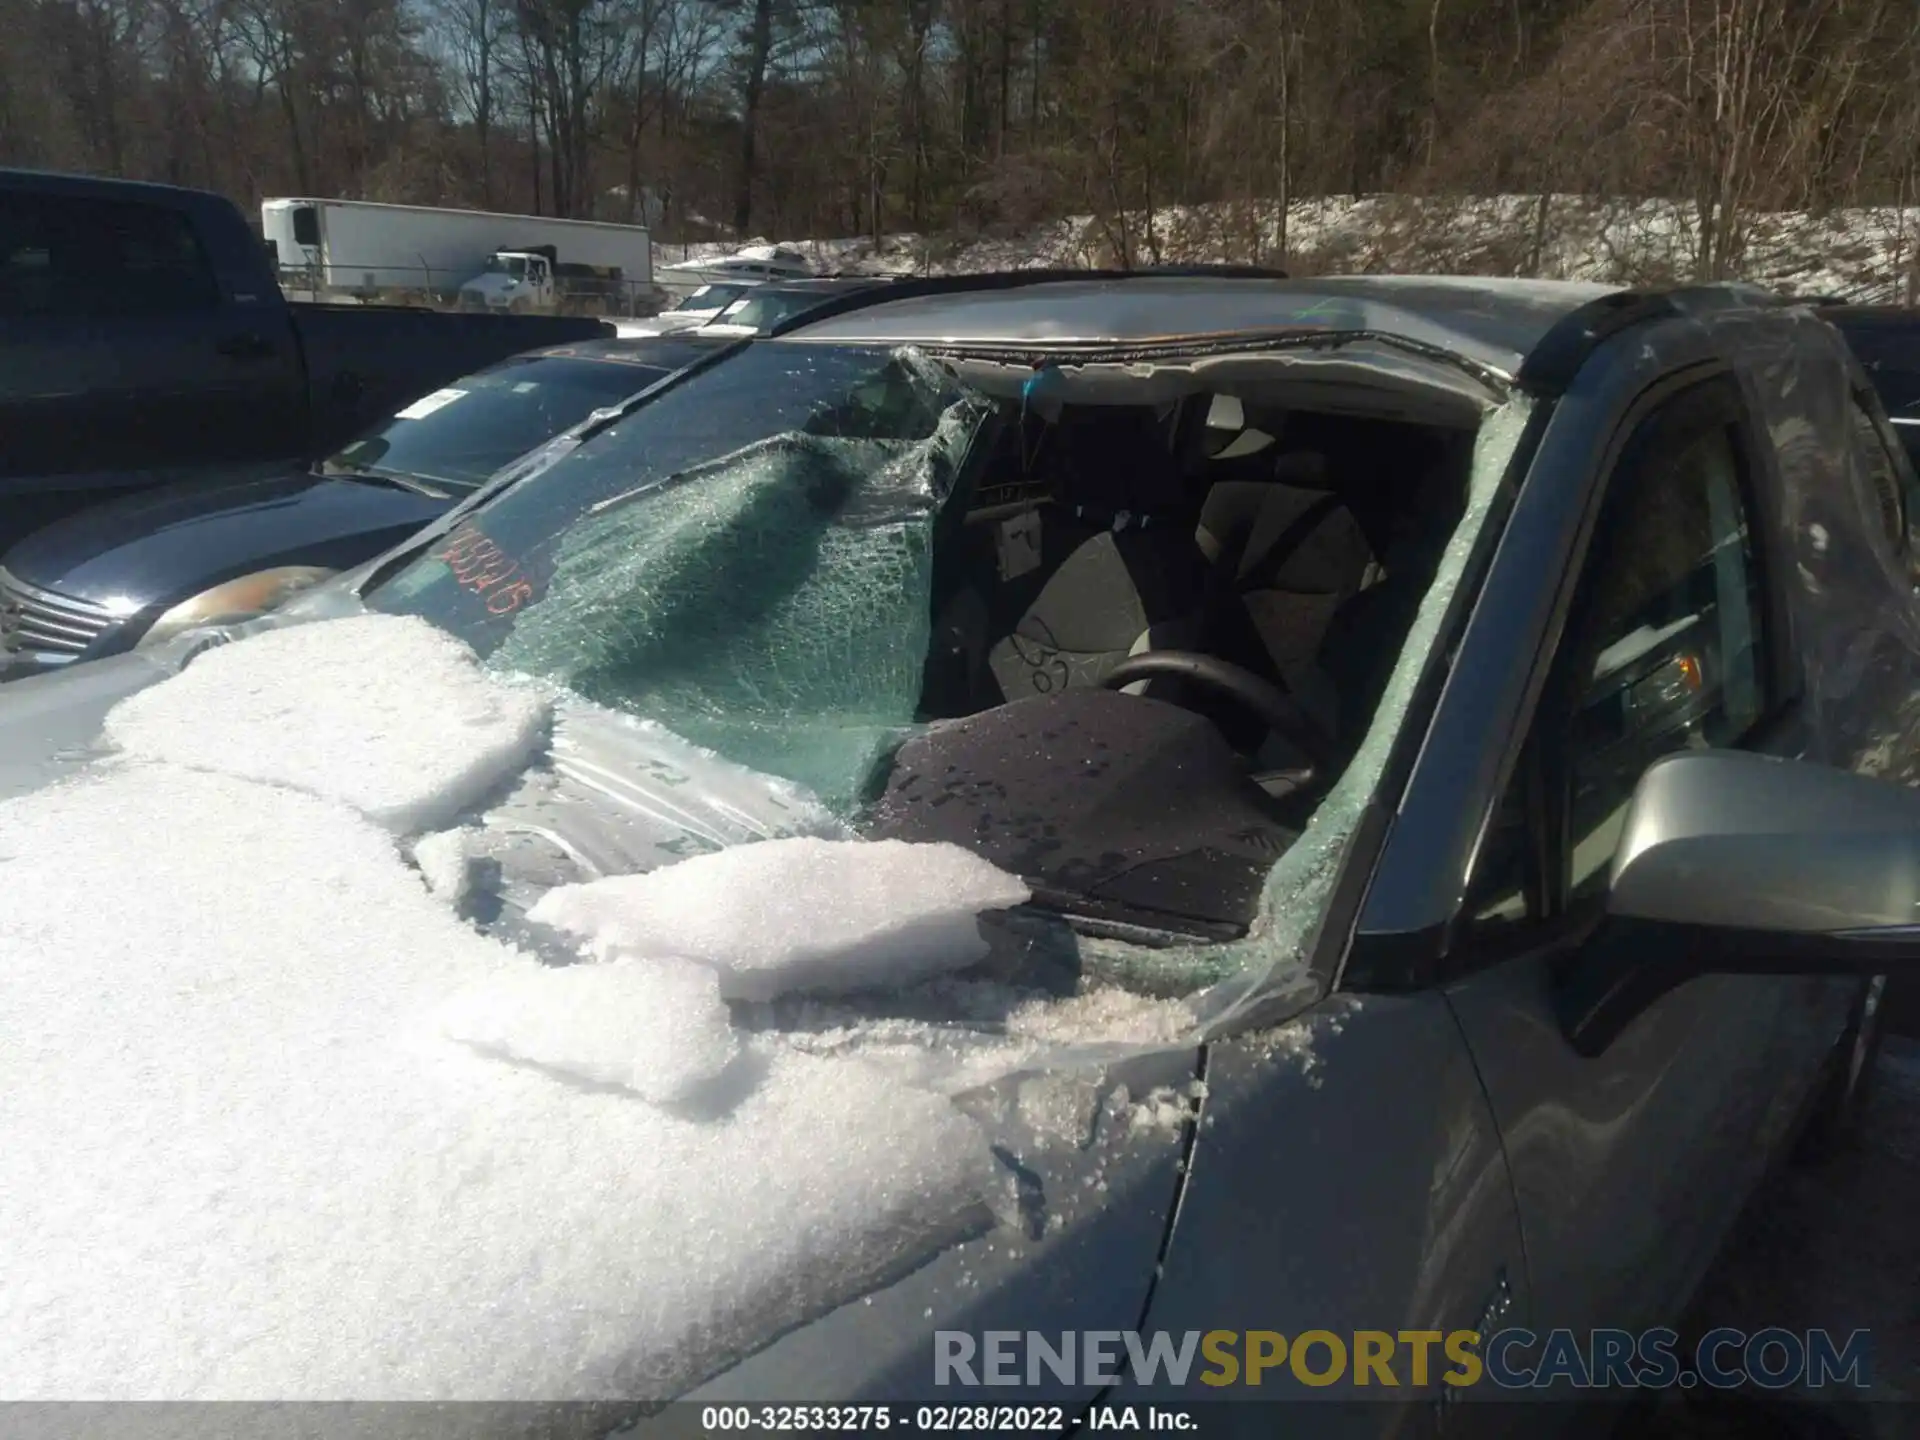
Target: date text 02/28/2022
<point>932,1419</point>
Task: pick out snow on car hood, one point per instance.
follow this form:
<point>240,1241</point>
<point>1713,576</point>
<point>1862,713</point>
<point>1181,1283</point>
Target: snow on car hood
<point>284,1124</point>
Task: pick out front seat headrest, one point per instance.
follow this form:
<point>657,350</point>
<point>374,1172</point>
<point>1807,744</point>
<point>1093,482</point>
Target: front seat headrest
<point>1114,460</point>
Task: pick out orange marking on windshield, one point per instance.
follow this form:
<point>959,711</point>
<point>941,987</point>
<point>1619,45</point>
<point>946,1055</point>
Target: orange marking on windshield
<point>479,565</point>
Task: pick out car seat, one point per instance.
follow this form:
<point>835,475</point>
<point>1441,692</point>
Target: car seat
<point>1367,632</point>
<point>1286,552</point>
<point>1105,568</point>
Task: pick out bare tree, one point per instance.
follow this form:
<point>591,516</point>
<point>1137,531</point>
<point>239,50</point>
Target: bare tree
<point>472,31</point>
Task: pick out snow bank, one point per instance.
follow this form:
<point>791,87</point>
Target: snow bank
<point>655,1027</point>
<point>1866,253</point>
<point>242,1162</point>
<point>798,914</point>
<point>383,712</point>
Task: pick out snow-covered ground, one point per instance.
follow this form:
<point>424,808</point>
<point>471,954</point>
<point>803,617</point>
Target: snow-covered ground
<point>1863,254</point>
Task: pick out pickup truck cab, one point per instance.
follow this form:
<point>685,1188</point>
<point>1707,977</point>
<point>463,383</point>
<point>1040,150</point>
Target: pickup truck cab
<point>144,340</point>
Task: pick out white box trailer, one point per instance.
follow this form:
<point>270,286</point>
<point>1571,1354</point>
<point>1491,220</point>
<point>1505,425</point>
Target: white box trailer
<point>366,250</point>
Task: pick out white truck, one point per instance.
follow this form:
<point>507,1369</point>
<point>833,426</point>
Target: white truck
<point>533,278</point>
<point>359,250</point>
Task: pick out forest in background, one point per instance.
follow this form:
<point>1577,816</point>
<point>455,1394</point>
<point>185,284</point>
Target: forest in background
<point>717,119</point>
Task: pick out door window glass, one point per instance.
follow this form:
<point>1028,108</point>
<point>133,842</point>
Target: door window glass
<point>87,257</point>
<point>1667,650</point>
<point>1663,651</point>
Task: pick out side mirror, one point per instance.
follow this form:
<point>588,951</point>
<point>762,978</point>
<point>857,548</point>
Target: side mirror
<point>1740,864</point>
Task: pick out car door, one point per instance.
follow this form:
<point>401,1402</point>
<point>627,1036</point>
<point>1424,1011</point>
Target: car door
<point>123,360</point>
<point>1629,1165</point>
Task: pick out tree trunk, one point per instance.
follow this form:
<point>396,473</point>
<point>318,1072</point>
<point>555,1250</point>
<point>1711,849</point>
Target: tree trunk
<point>759,51</point>
<point>1286,144</point>
<point>1006,78</point>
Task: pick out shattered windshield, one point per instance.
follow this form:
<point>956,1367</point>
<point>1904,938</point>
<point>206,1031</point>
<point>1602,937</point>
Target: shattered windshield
<point>927,602</point>
<point>747,559</point>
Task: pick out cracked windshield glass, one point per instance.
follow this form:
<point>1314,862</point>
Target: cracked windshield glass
<point>846,568</point>
<point>747,560</point>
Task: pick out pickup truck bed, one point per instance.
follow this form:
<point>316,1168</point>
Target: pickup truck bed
<point>144,340</point>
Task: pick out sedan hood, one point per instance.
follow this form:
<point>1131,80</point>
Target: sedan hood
<point>169,543</point>
<point>1088,1136</point>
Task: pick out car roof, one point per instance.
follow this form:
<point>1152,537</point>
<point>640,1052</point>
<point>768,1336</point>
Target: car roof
<point>823,284</point>
<point>674,350</point>
<point>1494,321</point>
<point>61,182</point>
<point>1878,317</point>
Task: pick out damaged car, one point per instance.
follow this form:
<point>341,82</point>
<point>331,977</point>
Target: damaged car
<point>1014,805</point>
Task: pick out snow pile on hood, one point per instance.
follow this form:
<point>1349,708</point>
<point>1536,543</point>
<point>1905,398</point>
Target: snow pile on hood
<point>657,1027</point>
<point>444,862</point>
<point>900,913</point>
<point>955,1034</point>
<point>241,1164</point>
<point>278,1125</point>
<point>381,712</point>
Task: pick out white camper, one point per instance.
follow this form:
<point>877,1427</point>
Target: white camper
<point>367,251</point>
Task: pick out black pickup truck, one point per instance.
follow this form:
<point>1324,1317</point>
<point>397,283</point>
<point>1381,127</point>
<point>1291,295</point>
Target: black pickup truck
<point>144,340</point>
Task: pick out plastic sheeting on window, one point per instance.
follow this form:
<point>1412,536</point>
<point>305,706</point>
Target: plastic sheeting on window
<point>1854,616</point>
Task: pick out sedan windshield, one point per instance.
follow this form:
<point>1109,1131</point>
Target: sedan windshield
<point>713,297</point>
<point>745,559</point>
<point>458,437</point>
<point>767,309</point>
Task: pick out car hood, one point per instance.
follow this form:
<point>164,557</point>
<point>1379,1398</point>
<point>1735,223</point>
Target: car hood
<point>160,545</point>
<point>1068,1241</point>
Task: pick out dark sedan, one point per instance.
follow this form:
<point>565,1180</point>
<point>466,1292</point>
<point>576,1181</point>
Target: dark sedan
<point>140,570</point>
<point>765,306</point>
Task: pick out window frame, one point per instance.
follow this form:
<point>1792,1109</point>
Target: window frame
<point>1867,401</point>
<point>1676,412</point>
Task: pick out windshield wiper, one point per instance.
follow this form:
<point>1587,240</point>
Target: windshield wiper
<point>504,479</point>
<point>398,479</point>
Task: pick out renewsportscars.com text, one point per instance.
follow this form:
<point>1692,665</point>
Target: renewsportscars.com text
<point>1511,1359</point>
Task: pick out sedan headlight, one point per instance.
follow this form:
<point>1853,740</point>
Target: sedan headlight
<point>246,598</point>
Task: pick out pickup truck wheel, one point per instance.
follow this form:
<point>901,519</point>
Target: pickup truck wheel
<point>1835,1122</point>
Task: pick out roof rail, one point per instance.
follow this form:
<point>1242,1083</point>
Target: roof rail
<point>914,287</point>
<point>1558,355</point>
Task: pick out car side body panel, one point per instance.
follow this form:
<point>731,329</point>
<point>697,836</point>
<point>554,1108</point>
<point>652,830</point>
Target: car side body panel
<point>1628,1168</point>
<point>1347,1175</point>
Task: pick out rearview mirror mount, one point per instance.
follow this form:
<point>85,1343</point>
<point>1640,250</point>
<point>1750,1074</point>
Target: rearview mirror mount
<point>1732,863</point>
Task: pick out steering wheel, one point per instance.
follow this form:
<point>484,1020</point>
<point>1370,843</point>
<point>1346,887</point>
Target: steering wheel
<point>1267,702</point>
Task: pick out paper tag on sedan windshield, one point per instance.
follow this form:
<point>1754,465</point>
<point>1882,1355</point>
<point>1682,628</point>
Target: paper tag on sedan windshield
<point>427,404</point>
<point>1018,544</point>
